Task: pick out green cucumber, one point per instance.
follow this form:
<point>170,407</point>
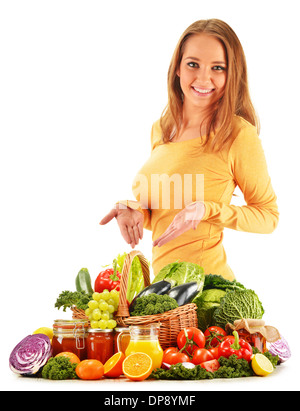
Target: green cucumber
<point>83,281</point>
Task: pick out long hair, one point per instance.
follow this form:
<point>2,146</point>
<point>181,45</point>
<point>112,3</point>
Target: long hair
<point>235,99</point>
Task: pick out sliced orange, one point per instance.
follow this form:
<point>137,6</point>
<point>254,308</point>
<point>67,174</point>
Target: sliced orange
<point>72,357</point>
<point>113,366</point>
<point>137,366</point>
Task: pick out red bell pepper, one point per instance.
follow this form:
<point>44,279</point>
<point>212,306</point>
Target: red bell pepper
<point>108,279</point>
<point>235,345</point>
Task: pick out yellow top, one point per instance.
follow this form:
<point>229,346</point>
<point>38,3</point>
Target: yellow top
<point>179,173</point>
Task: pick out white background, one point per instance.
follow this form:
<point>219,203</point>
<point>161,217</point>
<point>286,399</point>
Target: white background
<point>81,84</point>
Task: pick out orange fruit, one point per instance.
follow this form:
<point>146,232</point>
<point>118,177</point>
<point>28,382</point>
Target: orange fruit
<point>72,357</point>
<point>90,370</point>
<point>137,366</point>
<point>113,366</point>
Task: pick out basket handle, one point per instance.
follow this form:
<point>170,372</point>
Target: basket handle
<point>123,309</point>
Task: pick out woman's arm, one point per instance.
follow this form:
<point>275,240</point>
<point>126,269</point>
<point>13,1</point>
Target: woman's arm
<point>248,166</point>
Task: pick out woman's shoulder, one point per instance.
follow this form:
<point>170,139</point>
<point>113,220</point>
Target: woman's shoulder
<point>242,126</point>
<point>156,134</point>
<point>244,133</point>
<point>246,140</point>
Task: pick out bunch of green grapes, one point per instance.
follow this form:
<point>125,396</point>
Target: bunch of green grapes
<point>102,308</point>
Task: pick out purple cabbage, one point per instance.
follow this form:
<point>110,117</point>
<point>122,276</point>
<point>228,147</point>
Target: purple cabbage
<point>30,355</point>
<point>280,348</point>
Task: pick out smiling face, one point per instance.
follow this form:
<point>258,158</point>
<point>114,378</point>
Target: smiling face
<point>202,71</point>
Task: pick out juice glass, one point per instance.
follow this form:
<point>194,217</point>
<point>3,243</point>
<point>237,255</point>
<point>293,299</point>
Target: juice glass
<point>144,338</point>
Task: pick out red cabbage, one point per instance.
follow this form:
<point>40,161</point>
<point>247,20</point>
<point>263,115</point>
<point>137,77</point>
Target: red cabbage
<point>280,348</point>
<point>30,354</point>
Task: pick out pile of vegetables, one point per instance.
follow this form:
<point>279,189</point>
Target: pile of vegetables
<point>209,355</point>
<point>205,352</point>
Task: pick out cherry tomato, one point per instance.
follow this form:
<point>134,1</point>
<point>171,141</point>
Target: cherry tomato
<point>174,357</point>
<point>90,370</point>
<point>215,352</point>
<point>211,365</point>
<point>201,355</point>
<point>192,338</point>
<point>214,336</point>
<point>168,350</point>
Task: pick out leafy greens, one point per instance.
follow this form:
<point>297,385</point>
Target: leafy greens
<point>181,273</point>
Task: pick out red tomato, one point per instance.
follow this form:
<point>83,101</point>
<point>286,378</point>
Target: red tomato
<point>168,350</point>
<point>214,336</point>
<point>201,355</point>
<point>174,357</point>
<point>215,352</point>
<point>211,365</point>
<point>192,338</point>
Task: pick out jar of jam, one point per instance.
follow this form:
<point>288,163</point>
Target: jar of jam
<point>100,344</point>
<point>70,335</point>
<point>121,339</point>
<point>254,339</point>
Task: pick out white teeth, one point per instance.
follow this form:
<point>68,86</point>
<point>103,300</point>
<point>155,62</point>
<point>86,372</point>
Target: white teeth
<point>203,91</point>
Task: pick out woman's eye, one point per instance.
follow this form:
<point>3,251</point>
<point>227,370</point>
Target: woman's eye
<point>192,64</point>
<point>219,68</point>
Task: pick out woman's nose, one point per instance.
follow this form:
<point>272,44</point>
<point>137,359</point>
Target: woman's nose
<point>204,76</point>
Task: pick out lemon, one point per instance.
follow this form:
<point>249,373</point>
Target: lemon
<point>44,330</point>
<point>261,365</point>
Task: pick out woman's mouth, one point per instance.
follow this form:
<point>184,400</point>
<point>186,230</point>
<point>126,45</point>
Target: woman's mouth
<point>203,91</point>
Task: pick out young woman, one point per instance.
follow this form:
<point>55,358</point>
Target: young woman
<point>204,145</point>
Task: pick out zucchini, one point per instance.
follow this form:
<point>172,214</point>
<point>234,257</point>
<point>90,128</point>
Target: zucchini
<point>83,281</point>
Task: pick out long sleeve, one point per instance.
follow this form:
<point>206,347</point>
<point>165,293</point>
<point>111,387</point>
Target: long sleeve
<point>246,161</point>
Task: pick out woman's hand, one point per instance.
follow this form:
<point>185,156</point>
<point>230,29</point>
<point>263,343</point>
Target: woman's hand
<point>130,223</point>
<point>186,219</point>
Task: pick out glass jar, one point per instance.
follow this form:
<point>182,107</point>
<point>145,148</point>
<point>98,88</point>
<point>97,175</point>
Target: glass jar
<point>100,344</point>
<point>121,343</point>
<point>254,339</point>
<point>144,338</point>
<point>70,335</point>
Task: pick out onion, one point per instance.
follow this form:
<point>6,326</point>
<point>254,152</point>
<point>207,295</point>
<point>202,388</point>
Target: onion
<point>188,365</point>
<point>30,354</point>
<point>280,348</point>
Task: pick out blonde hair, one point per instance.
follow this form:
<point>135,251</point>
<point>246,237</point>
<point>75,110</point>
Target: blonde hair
<point>236,98</point>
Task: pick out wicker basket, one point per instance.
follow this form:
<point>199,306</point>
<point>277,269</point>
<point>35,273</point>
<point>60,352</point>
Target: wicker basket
<point>171,322</point>
<point>79,314</point>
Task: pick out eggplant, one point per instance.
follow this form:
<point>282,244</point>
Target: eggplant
<point>184,293</point>
<point>161,287</point>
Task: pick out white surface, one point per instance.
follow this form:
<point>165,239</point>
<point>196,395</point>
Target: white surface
<point>81,84</point>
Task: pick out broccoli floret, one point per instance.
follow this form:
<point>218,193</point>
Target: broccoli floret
<point>153,304</point>
<point>59,368</point>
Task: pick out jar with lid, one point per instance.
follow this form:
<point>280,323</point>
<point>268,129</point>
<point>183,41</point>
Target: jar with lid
<point>121,339</point>
<point>100,344</point>
<point>70,335</point>
<point>255,339</point>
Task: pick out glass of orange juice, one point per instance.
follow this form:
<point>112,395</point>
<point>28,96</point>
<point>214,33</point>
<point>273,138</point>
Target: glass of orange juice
<point>144,338</point>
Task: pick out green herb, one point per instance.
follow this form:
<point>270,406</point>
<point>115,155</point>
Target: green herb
<point>153,304</point>
<point>179,372</point>
<point>233,367</point>
<point>68,299</point>
<point>59,368</point>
